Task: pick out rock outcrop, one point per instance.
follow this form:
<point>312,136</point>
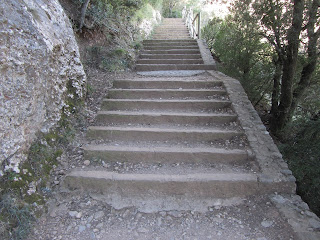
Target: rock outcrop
<point>39,56</point>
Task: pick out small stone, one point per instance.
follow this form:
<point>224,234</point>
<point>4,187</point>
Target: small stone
<point>73,213</point>
<point>142,230</point>
<point>266,223</point>
<point>95,230</point>
<point>86,162</point>
<point>79,215</point>
<point>99,215</point>
<point>56,182</point>
<point>314,223</point>
<point>82,228</point>
<point>89,219</point>
<point>99,226</point>
<point>53,214</point>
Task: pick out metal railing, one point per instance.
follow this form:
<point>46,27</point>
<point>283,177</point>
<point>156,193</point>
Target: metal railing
<point>193,23</point>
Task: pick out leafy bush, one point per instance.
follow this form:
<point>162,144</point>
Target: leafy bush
<point>301,149</point>
<point>243,55</point>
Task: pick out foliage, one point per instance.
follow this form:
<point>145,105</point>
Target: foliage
<point>16,218</point>
<point>172,8</point>
<point>243,54</point>
<point>302,151</point>
<point>258,45</point>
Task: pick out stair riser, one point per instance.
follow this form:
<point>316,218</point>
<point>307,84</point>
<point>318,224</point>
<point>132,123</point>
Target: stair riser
<point>173,35</point>
<point>133,135</point>
<point>171,51</point>
<point>171,38</point>
<point>127,189</point>
<point>170,41</point>
<point>170,48</point>
<point>165,84</point>
<point>171,31</point>
<point>108,119</point>
<point>169,67</point>
<point>132,94</point>
<point>166,157</point>
<point>164,106</point>
<point>167,61</point>
<point>171,56</point>
<point>186,44</point>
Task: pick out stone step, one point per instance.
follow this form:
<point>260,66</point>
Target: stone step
<point>165,105</point>
<point>165,83</point>
<point>171,37</point>
<point>182,31</point>
<point>159,41</point>
<point>171,47</point>
<point>170,56</point>
<point>165,155</point>
<point>172,67</point>
<point>149,44</point>
<point>191,135</point>
<point>165,93</point>
<point>160,118</point>
<point>171,33</point>
<point>170,61</point>
<point>148,187</point>
<point>174,51</point>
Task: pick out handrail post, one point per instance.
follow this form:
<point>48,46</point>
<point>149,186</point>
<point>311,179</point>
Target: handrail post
<point>199,25</point>
<point>190,20</point>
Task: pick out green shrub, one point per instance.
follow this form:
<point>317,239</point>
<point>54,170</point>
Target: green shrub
<point>15,217</point>
<point>301,149</point>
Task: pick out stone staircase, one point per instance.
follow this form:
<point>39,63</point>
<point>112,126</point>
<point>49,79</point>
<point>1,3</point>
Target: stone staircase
<point>171,49</point>
<point>178,142</point>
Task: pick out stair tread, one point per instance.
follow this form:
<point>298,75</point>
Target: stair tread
<point>175,148</point>
<point>197,177</point>
<point>165,113</point>
<point>189,129</point>
<point>164,90</point>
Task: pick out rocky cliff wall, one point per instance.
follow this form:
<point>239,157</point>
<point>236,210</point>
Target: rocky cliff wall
<point>38,57</point>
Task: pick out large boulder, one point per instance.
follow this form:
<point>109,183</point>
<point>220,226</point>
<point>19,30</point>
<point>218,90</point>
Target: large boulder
<point>38,57</point>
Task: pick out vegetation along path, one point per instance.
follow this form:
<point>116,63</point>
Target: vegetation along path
<point>177,152</point>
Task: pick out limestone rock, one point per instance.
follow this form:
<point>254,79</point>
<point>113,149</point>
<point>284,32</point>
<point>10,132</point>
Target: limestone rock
<point>38,57</point>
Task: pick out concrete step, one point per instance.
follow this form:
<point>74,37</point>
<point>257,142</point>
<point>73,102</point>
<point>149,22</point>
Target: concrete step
<point>171,47</point>
<point>160,134</point>
<point>166,67</point>
<point>169,61</point>
<point>169,44</point>
<point>165,93</point>
<point>165,83</point>
<point>171,34</point>
<point>160,118</point>
<point>165,105</point>
<point>183,31</point>
<point>159,41</point>
<point>165,155</point>
<point>152,186</point>
<point>169,37</point>
<point>170,56</point>
<point>174,51</point>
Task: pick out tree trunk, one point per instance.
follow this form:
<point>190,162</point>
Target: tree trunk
<point>276,90</point>
<point>310,67</point>
<point>281,117</point>
<point>83,14</point>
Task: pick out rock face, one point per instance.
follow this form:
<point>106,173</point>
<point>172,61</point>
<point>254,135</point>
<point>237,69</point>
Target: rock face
<point>38,57</point>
